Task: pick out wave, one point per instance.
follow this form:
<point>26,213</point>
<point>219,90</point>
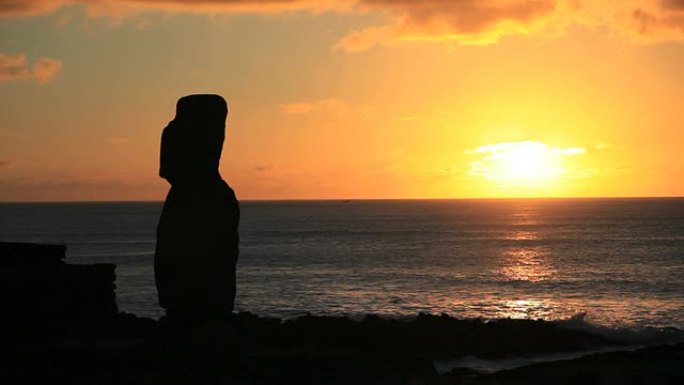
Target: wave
<point>624,339</point>
<point>639,336</point>
<point>488,366</point>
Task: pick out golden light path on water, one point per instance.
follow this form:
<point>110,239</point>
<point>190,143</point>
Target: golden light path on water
<point>528,260</point>
<point>526,263</point>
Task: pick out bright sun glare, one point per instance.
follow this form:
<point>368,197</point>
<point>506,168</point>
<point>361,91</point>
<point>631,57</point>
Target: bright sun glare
<point>530,162</point>
<point>526,161</point>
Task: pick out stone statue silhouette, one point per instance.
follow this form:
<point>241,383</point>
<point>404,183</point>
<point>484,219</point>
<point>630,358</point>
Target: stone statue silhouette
<point>197,236</point>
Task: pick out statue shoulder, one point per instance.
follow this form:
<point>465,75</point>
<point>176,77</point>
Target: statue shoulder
<point>229,192</point>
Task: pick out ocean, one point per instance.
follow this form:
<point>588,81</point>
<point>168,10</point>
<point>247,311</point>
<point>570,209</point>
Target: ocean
<point>612,262</point>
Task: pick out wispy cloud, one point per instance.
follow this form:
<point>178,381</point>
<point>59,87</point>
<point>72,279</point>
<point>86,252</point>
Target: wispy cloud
<point>408,118</point>
<point>263,167</point>
<point>326,105</point>
<point>17,67</point>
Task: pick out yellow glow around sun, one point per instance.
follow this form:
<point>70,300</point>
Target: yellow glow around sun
<point>528,162</point>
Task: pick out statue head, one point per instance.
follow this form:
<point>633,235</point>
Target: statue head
<point>193,140</point>
<point>200,108</point>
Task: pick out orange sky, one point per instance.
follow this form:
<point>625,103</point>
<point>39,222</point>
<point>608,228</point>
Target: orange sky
<point>347,99</point>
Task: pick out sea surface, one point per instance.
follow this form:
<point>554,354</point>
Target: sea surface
<point>615,262</point>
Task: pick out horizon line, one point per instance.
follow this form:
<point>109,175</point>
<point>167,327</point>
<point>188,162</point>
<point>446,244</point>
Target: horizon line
<point>365,199</point>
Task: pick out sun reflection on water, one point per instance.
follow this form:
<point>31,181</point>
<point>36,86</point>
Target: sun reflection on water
<point>522,236</point>
<point>526,217</point>
<point>525,309</point>
<point>523,261</point>
<point>531,264</point>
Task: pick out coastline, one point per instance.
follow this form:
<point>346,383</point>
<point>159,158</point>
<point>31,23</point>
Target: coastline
<point>247,349</point>
<point>62,323</point>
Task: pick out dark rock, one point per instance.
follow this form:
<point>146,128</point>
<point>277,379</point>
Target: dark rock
<point>437,337</point>
<point>460,376</point>
<point>42,297</point>
<point>18,256</point>
<point>358,369</point>
<point>654,365</point>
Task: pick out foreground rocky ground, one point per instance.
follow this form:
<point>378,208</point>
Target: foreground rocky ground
<point>319,350</point>
<point>60,325</point>
<point>654,365</point>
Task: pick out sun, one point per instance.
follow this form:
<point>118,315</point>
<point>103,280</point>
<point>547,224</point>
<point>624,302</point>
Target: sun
<point>526,162</point>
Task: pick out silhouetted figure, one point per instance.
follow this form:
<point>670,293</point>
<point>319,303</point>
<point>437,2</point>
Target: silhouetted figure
<point>197,236</point>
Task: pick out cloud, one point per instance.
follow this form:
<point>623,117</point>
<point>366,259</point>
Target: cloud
<point>505,148</point>
<point>327,105</point>
<point>249,6</point>
<point>263,167</point>
<point>456,21</point>
<point>29,7</point>
<point>464,21</point>
<point>366,39</point>
<point>481,22</point>
<point>16,67</point>
<point>674,4</point>
<point>658,23</point>
<point>100,8</point>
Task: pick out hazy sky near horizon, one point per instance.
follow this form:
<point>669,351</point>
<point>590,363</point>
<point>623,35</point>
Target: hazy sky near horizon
<point>347,99</point>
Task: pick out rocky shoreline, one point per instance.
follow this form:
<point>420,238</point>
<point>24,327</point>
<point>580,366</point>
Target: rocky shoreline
<point>61,325</point>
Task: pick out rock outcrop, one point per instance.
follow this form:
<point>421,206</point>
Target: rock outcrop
<point>44,297</point>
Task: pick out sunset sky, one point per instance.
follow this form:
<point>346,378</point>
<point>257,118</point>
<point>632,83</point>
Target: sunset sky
<point>347,99</point>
